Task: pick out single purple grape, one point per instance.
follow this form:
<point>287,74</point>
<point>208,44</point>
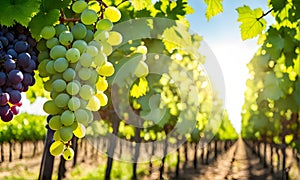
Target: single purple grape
<point>10,36</point>
<point>2,78</point>
<point>27,79</point>
<point>8,117</point>
<point>31,67</point>
<point>4,41</point>
<point>15,96</point>
<point>4,110</point>
<point>9,65</point>
<point>4,98</point>
<point>24,59</point>
<point>21,46</point>
<point>18,87</point>
<point>12,52</point>
<point>15,76</point>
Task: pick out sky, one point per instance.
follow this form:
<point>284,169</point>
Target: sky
<point>222,35</point>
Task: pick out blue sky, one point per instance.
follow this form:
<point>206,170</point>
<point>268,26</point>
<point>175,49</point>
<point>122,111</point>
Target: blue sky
<point>222,35</point>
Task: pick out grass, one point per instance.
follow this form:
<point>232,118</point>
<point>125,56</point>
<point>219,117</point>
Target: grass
<point>120,170</point>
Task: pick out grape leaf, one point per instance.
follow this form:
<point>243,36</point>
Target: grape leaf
<point>278,4</point>
<point>275,39</point>
<point>55,4</point>
<point>252,23</point>
<point>139,5</point>
<point>214,7</point>
<point>297,66</point>
<point>296,94</point>
<point>41,20</point>
<point>20,11</point>
<point>171,9</point>
<point>271,89</point>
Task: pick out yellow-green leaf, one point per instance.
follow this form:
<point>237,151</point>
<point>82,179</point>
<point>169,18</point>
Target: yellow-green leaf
<point>252,22</point>
<point>139,5</point>
<point>214,7</point>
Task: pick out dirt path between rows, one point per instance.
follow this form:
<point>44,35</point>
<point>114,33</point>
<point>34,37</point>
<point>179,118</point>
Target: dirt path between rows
<point>237,163</point>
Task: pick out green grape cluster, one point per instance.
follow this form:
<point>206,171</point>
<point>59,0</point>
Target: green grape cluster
<point>73,59</point>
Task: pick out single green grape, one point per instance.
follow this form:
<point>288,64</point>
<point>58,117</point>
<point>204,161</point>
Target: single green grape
<point>69,74</point>
<point>79,31</point>
<point>112,13</point>
<point>81,116</point>
<point>74,103</point>
<point>50,67</point>
<point>115,38</point>
<point>52,42</point>
<point>102,98</point>
<point>88,17</point>
<point>62,100</point>
<point>101,35</point>
<point>80,45</point>
<point>84,74</point>
<point>58,51</point>
<point>68,154</point>
<point>86,60</point>
<point>60,28</point>
<point>55,123</point>
<point>106,70</point>
<point>92,50</point>
<point>66,38</point>
<point>79,6</point>
<point>86,92</point>
<point>67,118</point>
<point>89,36</point>
<point>56,148</point>
<point>60,65</point>
<point>66,133</point>
<point>93,104</point>
<point>51,108</point>
<point>104,24</point>
<point>48,32</point>
<point>73,55</point>
<point>73,88</point>
<point>59,85</point>
<point>80,131</point>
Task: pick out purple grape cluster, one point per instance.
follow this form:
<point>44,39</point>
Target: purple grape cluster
<point>18,60</point>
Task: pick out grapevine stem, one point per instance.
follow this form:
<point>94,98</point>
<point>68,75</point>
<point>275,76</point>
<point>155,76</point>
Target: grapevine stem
<point>121,2</point>
<point>62,18</point>
<point>102,3</point>
<point>264,14</point>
